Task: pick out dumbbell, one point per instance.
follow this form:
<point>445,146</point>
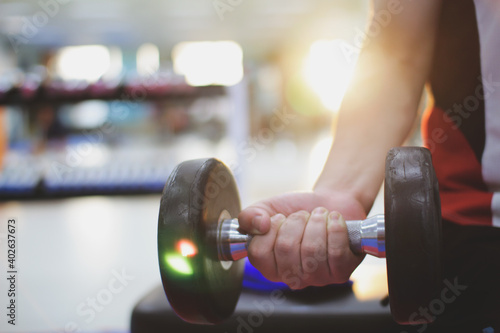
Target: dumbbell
<point>199,243</point>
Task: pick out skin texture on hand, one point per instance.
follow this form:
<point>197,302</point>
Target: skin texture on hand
<point>301,238</point>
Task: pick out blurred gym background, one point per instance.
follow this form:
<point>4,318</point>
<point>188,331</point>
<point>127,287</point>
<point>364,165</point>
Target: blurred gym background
<point>99,100</point>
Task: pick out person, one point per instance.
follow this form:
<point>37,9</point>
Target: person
<point>452,46</point>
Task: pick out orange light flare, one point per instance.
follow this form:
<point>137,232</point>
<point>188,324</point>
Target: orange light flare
<point>187,248</point>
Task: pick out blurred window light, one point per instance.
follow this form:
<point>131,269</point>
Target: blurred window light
<point>85,115</point>
<point>328,71</point>
<point>116,63</point>
<point>85,63</point>
<point>148,59</point>
<point>206,63</point>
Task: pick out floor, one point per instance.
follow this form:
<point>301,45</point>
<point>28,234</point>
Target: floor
<point>82,263</point>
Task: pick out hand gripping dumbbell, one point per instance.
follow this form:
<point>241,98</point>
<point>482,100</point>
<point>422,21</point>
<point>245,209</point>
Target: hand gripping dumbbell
<point>199,244</point>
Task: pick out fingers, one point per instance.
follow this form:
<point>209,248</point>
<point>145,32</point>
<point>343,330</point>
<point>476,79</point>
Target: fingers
<point>261,249</point>
<point>255,220</point>
<point>314,249</point>
<point>287,248</point>
<point>305,249</point>
<point>341,260</point>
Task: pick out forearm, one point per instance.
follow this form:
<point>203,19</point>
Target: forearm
<point>381,105</point>
<point>368,127</point>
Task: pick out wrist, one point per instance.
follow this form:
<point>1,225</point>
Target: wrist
<point>346,193</point>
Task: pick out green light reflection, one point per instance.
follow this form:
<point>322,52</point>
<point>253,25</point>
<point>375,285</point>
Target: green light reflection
<point>179,263</point>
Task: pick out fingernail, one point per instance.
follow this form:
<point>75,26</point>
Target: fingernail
<point>333,217</point>
<point>257,223</point>
<point>278,218</point>
<point>320,211</point>
<point>301,216</point>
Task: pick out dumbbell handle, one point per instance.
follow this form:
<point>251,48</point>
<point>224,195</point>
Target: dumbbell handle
<point>365,236</point>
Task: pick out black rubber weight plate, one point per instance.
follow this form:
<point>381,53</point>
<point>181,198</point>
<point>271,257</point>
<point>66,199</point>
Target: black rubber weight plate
<point>413,232</point>
<point>198,286</point>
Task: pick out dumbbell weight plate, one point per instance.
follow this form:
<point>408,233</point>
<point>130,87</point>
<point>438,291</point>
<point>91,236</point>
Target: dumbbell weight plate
<point>200,288</point>
<point>413,232</point>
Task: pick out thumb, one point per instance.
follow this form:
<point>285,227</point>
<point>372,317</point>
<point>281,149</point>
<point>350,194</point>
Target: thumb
<point>255,219</point>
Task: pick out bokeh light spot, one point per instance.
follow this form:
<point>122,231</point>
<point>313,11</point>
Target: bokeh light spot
<point>179,264</point>
<point>187,248</point>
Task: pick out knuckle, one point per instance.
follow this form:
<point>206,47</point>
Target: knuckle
<point>284,246</point>
<point>310,265</point>
<point>308,250</point>
<point>336,253</point>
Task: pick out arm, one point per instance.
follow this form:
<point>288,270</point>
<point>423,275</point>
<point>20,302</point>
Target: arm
<point>377,113</point>
<point>380,106</point>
